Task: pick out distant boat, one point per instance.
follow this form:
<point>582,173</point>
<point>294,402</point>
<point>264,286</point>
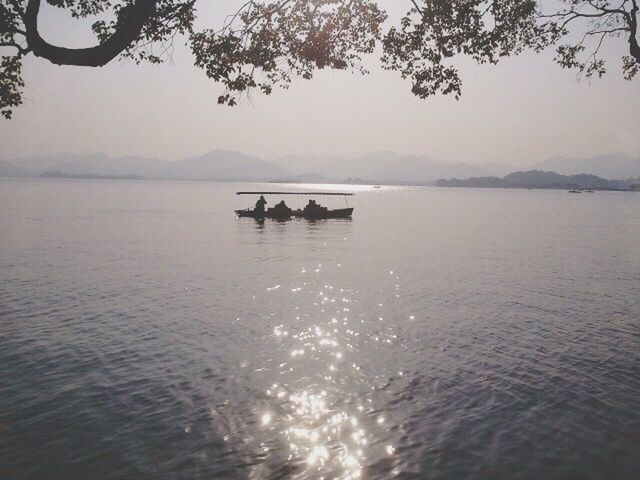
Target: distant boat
<point>589,190</point>
<point>318,213</point>
<point>377,186</point>
<point>575,191</point>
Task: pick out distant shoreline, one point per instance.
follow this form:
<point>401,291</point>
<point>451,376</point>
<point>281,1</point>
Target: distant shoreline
<point>89,176</point>
<point>530,180</point>
<point>541,180</point>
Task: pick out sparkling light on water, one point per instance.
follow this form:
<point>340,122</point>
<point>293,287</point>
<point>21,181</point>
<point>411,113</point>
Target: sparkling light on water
<point>324,432</point>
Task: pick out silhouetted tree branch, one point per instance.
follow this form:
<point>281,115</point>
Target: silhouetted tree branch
<point>265,43</point>
<point>600,20</point>
<point>131,19</point>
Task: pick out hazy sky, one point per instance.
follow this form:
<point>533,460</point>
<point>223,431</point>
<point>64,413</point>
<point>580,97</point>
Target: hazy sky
<point>519,112</point>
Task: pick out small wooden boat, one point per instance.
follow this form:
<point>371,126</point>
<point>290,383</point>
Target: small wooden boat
<point>317,213</point>
<point>337,213</point>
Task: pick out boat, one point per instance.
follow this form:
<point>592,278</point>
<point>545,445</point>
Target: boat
<point>575,191</point>
<point>337,213</point>
<point>320,213</point>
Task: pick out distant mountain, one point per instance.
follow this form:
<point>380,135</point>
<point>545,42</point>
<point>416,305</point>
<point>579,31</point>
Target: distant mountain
<point>224,165</point>
<point>617,165</point>
<point>498,169</point>
<point>306,178</point>
<point>100,164</point>
<point>385,166</point>
<point>543,180</point>
<point>380,167</point>
<point>10,170</point>
<point>390,166</point>
<point>42,163</point>
<point>90,176</point>
<point>325,165</point>
<point>217,165</point>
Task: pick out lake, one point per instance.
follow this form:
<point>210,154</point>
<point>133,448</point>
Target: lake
<point>146,332</point>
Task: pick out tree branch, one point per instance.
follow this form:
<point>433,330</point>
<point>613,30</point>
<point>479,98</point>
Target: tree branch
<point>634,48</point>
<point>21,50</point>
<point>133,19</point>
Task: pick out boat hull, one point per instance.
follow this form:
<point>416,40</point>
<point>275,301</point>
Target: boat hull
<point>329,214</point>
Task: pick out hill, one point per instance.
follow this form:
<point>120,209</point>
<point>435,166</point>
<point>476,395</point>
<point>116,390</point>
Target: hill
<point>541,179</point>
<point>220,165</point>
<point>380,167</point>
<point>617,165</point>
<point>223,165</point>
<point>10,170</point>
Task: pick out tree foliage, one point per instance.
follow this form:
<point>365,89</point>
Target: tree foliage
<point>265,43</point>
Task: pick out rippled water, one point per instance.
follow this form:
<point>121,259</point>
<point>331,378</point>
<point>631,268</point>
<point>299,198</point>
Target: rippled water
<point>145,332</point>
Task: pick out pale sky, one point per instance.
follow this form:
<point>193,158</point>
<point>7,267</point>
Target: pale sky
<point>519,112</point>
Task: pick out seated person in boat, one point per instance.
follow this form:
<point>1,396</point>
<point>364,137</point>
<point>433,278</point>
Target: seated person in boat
<point>281,210</point>
<point>312,209</point>
<point>260,204</point>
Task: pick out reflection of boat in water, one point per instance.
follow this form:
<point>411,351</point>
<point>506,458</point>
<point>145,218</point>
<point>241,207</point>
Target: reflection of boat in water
<point>338,213</point>
<point>312,211</point>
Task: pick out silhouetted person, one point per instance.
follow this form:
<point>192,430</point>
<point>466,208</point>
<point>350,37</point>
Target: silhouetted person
<point>281,210</point>
<point>260,205</point>
<point>313,210</point>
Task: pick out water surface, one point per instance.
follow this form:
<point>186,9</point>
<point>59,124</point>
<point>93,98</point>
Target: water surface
<point>145,332</point>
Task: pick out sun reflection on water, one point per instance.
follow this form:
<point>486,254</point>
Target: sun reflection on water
<point>322,411</point>
<point>324,439</point>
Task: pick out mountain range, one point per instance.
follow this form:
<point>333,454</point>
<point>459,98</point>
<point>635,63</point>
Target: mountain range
<point>219,165</point>
<point>379,167</point>
<point>613,166</point>
<point>544,180</point>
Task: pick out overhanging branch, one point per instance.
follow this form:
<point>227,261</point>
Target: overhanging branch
<point>133,19</point>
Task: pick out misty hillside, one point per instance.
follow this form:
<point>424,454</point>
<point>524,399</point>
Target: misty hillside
<point>614,166</point>
<point>390,166</point>
<point>543,180</point>
<point>385,166</point>
<point>306,178</point>
<point>10,170</point>
<point>380,167</point>
<point>230,165</point>
<point>100,164</point>
<point>224,165</point>
<point>325,165</point>
<point>216,165</point>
